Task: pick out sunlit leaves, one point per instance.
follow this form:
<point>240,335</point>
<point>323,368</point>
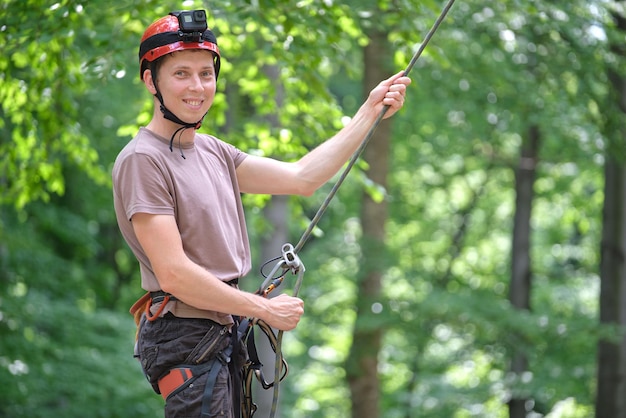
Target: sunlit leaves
<point>503,66</point>
<point>69,87</point>
<point>43,75</point>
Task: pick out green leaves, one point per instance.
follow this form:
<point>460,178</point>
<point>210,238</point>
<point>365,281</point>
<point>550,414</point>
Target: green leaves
<point>50,369</point>
<point>70,98</point>
<point>43,76</point>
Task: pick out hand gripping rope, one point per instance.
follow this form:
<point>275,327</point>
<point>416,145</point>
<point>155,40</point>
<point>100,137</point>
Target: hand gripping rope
<point>289,261</point>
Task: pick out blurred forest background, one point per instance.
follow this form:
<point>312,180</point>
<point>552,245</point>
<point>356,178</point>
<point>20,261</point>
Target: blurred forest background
<point>472,265</point>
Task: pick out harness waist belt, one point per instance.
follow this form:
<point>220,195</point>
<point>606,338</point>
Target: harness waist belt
<point>180,309</point>
<point>160,295</point>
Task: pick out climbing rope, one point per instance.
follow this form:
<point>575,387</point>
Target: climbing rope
<point>290,260</point>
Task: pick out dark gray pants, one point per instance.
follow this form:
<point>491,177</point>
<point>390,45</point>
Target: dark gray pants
<point>171,342</point>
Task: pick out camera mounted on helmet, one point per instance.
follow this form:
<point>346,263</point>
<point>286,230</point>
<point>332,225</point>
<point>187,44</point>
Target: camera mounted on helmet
<point>192,24</point>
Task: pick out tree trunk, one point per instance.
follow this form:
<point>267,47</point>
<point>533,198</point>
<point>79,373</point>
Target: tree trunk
<point>362,364</point>
<point>521,272</point>
<point>610,400</point>
<point>612,280</point>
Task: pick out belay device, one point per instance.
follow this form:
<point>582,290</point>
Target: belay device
<point>290,262</point>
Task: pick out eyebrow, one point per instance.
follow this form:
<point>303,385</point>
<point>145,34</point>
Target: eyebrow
<point>188,67</point>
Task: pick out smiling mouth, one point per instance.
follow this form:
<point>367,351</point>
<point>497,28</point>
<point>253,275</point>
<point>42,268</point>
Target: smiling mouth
<point>193,102</point>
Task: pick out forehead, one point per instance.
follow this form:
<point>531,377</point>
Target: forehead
<point>189,57</point>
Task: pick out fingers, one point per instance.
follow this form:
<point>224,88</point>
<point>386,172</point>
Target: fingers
<point>395,96</point>
<point>394,78</point>
<point>398,80</point>
<point>396,92</point>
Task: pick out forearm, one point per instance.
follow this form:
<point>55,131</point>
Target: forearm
<point>268,176</point>
<point>199,288</point>
<point>195,286</point>
<point>319,165</point>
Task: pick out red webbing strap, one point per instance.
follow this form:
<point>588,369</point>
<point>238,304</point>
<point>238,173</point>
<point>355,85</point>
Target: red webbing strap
<point>173,380</point>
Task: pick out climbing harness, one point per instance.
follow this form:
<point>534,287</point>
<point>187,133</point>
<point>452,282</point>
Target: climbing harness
<point>290,260</point>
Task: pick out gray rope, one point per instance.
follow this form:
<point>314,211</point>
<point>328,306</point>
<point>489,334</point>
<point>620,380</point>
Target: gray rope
<point>307,233</point>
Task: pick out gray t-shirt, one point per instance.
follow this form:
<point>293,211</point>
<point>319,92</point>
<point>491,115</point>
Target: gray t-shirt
<point>200,191</point>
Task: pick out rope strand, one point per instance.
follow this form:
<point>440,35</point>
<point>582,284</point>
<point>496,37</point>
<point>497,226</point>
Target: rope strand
<point>307,233</point>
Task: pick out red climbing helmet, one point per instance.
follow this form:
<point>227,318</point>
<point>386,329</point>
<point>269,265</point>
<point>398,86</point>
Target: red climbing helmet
<point>176,32</point>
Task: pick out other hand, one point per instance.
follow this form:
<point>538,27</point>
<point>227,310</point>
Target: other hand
<point>284,312</point>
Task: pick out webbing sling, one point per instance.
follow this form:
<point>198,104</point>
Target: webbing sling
<point>254,367</point>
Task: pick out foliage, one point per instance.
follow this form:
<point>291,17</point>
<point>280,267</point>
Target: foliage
<point>72,370</point>
<point>70,99</point>
<point>450,330</point>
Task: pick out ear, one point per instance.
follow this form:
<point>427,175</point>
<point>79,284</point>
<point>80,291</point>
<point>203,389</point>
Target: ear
<point>149,81</point>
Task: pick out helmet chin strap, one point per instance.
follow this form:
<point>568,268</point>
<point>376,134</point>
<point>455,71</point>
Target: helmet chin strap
<point>167,114</point>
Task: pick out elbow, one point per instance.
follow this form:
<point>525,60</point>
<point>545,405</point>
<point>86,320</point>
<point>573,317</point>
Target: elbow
<point>307,190</point>
<point>305,186</point>
<point>304,181</point>
<point>168,280</point>
<point>168,287</point>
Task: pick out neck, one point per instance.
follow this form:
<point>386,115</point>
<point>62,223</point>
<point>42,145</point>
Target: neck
<point>166,129</point>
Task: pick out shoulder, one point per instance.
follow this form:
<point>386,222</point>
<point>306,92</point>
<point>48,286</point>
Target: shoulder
<point>144,142</point>
<point>140,154</point>
<point>210,143</point>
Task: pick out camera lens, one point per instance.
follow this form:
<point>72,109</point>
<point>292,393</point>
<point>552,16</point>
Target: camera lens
<point>199,16</point>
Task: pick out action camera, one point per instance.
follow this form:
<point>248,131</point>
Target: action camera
<point>192,24</point>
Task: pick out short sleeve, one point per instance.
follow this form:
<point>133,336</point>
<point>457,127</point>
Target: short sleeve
<point>143,187</point>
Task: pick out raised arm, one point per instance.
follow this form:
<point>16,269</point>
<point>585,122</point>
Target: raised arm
<point>303,177</point>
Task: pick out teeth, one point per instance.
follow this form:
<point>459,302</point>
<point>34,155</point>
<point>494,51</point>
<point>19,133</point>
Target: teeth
<point>194,102</point>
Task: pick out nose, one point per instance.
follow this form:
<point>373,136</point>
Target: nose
<point>195,83</point>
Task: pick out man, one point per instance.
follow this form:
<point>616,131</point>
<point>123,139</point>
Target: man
<point>177,201</point>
